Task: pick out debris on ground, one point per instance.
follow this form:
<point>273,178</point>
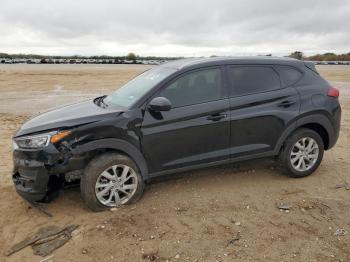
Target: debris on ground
<point>284,206</point>
<point>274,223</point>
<point>48,259</point>
<point>181,209</point>
<point>234,239</point>
<point>150,257</point>
<point>46,246</point>
<point>40,208</point>
<point>340,232</point>
<point>163,233</point>
<point>45,240</point>
<point>343,185</point>
<point>292,191</point>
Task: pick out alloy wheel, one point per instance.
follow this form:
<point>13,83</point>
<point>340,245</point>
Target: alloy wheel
<point>116,185</point>
<point>304,154</point>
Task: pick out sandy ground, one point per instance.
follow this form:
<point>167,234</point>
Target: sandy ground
<point>190,217</point>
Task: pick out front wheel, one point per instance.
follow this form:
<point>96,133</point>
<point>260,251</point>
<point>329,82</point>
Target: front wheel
<point>111,180</point>
<point>302,153</point>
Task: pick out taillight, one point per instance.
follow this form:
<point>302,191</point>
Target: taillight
<point>333,92</point>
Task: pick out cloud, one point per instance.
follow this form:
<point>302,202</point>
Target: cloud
<point>168,27</point>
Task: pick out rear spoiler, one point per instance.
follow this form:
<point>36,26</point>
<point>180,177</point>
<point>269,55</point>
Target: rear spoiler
<point>311,66</point>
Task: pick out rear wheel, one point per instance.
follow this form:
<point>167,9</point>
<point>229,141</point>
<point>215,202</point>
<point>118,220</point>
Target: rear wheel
<point>111,180</point>
<point>302,153</point>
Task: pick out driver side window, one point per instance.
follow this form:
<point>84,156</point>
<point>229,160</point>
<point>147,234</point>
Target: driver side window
<point>195,88</point>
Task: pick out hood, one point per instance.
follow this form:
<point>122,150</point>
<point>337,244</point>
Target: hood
<point>68,116</point>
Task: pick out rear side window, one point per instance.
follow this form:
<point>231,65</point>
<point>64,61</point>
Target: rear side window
<point>252,79</point>
<point>289,75</point>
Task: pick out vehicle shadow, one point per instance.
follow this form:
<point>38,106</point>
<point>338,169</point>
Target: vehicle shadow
<point>247,166</point>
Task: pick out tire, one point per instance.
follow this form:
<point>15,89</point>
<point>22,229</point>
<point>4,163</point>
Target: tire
<point>95,181</point>
<point>290,147</point>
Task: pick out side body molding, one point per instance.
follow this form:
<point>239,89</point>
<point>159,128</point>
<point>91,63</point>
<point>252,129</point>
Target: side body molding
<point>117,144</point>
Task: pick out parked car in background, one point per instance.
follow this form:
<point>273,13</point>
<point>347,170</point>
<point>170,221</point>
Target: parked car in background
<point>182,115</point>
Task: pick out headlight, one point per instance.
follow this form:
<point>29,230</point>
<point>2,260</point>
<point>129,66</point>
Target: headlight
<point>33,142</point>
<point>39,141</point>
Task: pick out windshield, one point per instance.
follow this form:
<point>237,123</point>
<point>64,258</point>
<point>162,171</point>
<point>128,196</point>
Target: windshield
<point>131,92</point>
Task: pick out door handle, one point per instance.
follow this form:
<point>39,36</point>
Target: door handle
<point>216,117</point>
<point>286,103</point>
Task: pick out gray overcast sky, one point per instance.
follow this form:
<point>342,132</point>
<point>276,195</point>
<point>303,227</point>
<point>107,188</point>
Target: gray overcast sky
<point>174,28</point>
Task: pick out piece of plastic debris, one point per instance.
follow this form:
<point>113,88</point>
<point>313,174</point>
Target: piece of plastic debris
<point>340,232</point>
<point>150,257</point>
<point>234,239</point>
<point>45,247</point>
<point>45,240</point>
<point>284,206</point>
<point>41,233</point>
<point>40,208</point>
<point>48,259</point>
<point>344,185</point>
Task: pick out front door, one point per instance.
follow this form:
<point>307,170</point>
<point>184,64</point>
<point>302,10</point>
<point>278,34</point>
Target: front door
<point>196,129</point>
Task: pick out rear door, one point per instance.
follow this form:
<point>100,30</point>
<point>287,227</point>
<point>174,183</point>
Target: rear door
<point>196,129</point>
<point>261,107</point>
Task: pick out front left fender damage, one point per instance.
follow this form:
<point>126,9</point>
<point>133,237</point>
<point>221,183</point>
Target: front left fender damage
<point>38,174</point>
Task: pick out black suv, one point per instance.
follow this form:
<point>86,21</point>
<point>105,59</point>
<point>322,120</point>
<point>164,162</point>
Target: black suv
<point>182,115</point>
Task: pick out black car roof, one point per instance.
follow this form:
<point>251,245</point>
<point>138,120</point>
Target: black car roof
<point>244,60</point>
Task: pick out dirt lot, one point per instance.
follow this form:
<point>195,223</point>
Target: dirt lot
<point>191,217</point>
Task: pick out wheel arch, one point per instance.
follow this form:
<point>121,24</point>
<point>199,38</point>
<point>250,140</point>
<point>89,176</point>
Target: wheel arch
<point>118,145</point>
<point>317,122</point>
<point>318,128</point>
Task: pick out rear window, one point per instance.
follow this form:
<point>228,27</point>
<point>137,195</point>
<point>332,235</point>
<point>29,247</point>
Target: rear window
<point>252,79</point>
<point>289,75</point>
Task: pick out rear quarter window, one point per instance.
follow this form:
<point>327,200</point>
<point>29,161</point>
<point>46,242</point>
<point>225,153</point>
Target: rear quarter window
<point>289,75</point>
<point>247,80</point>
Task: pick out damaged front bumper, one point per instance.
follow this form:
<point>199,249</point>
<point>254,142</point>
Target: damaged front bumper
<point>31,184</point>
<point>38,172</point>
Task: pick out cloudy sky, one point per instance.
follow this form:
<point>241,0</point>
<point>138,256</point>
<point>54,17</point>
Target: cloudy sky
<point>174,27</point>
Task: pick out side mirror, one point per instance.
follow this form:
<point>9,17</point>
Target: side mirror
<point>159,104</point>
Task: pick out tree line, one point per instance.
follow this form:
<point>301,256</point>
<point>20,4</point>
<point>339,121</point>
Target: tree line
<point>321,57</point>
<point>130,56</point>
<point>133,57</point>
